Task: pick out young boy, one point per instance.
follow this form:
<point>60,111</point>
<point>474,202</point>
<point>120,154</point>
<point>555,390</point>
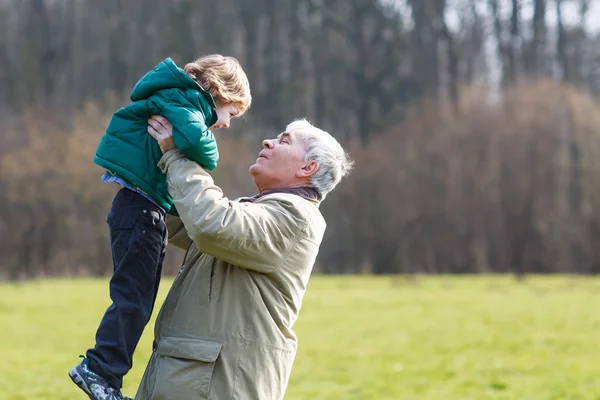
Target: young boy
<point>205,95</point>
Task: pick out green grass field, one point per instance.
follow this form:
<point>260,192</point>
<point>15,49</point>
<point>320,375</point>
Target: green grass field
<point>439,338</point>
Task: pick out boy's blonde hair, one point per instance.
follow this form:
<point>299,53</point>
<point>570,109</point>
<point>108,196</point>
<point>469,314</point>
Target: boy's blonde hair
<point>224,78</point>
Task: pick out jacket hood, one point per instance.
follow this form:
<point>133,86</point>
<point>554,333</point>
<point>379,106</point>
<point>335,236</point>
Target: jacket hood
<point>166,75</point>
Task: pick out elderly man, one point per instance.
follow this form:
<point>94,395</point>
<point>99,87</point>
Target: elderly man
<point>225,328</point>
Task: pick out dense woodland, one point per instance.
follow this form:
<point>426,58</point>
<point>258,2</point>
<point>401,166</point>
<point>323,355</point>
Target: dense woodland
<point>475,124</point>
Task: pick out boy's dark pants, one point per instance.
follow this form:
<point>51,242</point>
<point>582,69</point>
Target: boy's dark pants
<point>138,241</point>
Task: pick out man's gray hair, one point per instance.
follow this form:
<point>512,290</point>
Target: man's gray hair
<point>334,162</point>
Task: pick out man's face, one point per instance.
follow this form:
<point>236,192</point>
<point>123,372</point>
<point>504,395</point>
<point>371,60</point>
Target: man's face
<point>280,163</point>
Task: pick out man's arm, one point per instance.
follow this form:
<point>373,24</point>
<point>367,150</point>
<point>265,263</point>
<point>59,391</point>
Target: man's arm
<point>178,235</point>
<point>257,236</point>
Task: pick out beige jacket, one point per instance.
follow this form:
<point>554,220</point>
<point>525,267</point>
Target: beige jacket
<point>225,328</point>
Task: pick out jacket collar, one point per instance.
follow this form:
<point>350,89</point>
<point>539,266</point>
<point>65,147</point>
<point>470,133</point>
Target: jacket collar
<point>306,192</point>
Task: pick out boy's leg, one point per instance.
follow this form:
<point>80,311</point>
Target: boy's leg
<point>138,232</point>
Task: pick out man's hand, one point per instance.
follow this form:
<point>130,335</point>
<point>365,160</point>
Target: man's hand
<point>161,130</point>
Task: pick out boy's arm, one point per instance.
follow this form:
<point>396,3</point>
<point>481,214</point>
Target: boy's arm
<point>191,135</point>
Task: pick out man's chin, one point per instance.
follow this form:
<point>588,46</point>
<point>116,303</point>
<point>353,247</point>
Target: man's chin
<point>254,174</point>
<point>253,169</point>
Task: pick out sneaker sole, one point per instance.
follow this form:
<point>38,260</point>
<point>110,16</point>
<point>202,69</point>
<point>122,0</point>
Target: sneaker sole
<point>78,380</point>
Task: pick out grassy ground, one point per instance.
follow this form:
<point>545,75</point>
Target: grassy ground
<point>441,338</point>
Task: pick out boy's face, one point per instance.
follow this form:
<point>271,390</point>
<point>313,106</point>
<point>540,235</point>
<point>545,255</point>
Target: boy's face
<point>225,112</point>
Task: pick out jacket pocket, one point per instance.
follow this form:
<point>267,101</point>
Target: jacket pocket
<point>184,369</point>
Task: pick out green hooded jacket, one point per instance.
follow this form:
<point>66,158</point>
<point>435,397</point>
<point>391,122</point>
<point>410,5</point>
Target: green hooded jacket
<point>130,153</point>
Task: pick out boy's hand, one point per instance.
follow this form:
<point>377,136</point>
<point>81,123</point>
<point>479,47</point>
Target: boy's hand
<point>161,130</point>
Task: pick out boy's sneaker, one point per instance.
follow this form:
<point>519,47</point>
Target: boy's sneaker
<point>95,386</point>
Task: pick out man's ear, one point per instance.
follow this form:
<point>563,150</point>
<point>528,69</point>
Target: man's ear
<point>309,169</point>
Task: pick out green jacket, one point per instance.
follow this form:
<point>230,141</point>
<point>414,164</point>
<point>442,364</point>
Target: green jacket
<point>129,152</point>
<point>226,328</point>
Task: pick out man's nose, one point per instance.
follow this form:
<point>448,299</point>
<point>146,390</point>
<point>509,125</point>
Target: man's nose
<point>268,143</point>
